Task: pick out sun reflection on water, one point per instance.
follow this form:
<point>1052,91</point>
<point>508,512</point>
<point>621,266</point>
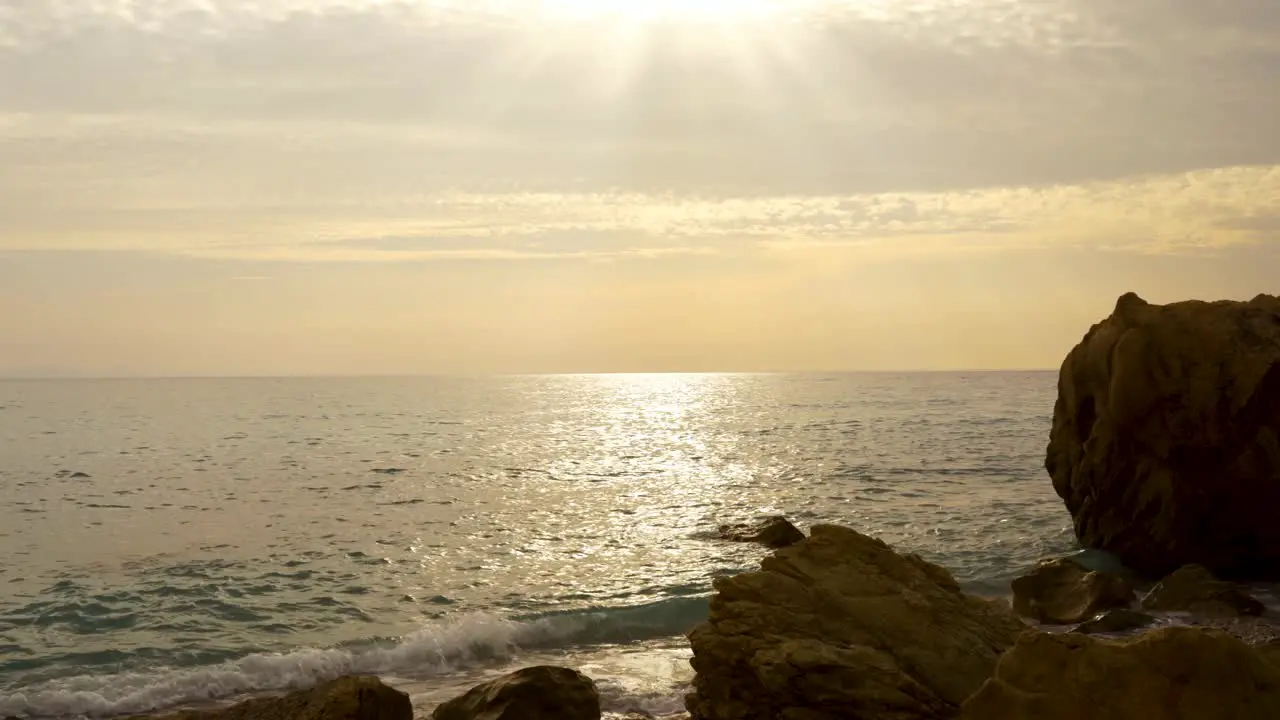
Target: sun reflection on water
<point>515,495</point>
<point>674,465</point>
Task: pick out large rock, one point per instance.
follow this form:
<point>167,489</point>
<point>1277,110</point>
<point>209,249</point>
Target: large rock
<point>1164,441</point>
<point>542,692</point>
<point>347,698</point>
<point>774,531</point>
<point>840,626</point>
<point>1195,590</point>
<point>1060,592</point>
<point>1176,673</point>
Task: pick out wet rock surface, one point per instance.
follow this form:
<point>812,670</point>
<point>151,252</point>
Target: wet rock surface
<point>1061,592</point>
<point>774,531</point>
<point>1116,621</point>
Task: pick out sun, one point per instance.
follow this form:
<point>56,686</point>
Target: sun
<point>726,11</point>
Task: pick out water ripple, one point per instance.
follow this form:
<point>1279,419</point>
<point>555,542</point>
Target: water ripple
<point>267,515</point>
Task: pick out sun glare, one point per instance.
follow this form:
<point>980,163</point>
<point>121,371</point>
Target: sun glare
<point>675,10</point>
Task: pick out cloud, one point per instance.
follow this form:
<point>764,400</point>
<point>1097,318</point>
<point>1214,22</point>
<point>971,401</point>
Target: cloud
<point>356,98</point>
<point>1263,225</point>
<point>1185,213</point>
<point>310,130</point>
<point>527,243</point>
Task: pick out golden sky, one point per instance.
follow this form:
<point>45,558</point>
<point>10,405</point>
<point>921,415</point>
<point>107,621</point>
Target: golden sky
<point>221,187</point>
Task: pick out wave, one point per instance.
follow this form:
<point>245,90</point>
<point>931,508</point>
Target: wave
<point>439,648</point>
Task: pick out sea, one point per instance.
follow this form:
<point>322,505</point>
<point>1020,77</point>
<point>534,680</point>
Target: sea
<point>182,543</point>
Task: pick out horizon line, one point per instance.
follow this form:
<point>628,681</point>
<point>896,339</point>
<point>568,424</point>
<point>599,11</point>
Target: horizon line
<point>463,375</point>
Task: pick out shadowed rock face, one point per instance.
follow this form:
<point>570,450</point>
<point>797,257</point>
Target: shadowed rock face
<point>1164,442</point>
<point>1175,673</point>
<point>542,692</point>
<point>840,626</point>
<point>1194,589</point>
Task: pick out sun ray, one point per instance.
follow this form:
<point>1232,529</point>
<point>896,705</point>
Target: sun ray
<point>719,11</point>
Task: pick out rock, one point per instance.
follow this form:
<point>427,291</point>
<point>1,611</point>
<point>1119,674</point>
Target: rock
<point>774,531</point>
<point>542,692</point>
<point>1115,621</point>
<point>1060,592</point>
<point>1164,440</point>
<point>1194,589</point>
<point>1270,652</point>
<point>1175,673</point>
<point>839,625</point>
<point>347,698</point>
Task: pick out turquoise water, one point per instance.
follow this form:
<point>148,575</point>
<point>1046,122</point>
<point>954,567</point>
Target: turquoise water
<point>173,542</point>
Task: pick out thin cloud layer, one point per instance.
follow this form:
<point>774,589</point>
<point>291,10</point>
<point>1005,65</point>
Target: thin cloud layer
<point>1193,212</point>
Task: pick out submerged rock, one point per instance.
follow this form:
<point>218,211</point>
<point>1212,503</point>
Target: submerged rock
<point>1060,592</point>
<point>347,698</point>
<point>1164,441</point>
<point>1176,673</point>
<point>1195,590</point>
<point>774,531</point>
<point>838,626</point>
<point>1115,621</point>
<point>542,692</point>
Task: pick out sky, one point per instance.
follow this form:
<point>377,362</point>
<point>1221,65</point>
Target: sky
<point>279,187</point>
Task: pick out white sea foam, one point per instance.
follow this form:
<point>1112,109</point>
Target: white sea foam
<point>439,648</point>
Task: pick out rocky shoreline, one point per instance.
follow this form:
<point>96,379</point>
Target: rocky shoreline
<point>1165,450</point>
<point>840,625</point>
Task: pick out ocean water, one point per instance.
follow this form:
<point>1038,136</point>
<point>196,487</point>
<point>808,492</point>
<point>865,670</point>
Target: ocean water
<point>173,543</point>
